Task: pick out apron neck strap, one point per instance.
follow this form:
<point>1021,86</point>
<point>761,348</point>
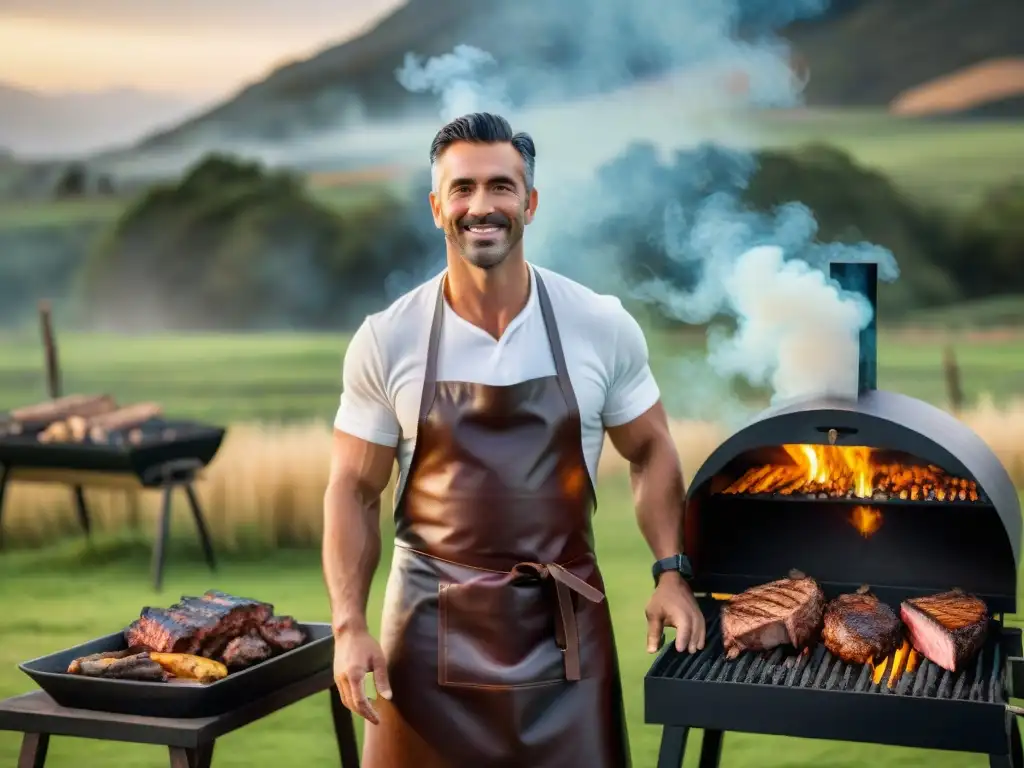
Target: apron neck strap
<point>554,341</point>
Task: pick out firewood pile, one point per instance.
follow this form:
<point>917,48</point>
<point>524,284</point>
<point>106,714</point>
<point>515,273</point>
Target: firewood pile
<point>79,418</point>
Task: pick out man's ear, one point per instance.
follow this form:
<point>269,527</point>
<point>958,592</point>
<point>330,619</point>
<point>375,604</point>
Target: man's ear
<point>435,210</point>
<point>531,206</point>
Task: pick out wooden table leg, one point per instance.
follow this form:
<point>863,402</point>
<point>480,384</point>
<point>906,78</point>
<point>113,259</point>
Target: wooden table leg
<point>203,755</point>
<point>344,730</point>
<point>33,750</point>
<point>180,757</point>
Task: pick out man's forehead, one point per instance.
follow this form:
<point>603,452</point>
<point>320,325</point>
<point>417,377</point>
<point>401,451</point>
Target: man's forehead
<point>471,160</point>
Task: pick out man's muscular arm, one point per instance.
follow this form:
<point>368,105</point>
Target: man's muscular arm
<point>360,472</point>
<point>658,494</point>
<point>657,479</point>
<point>362,456</point>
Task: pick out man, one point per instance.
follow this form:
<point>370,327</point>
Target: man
<point>493,385</point>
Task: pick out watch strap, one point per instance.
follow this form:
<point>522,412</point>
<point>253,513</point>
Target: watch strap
<point>678,562</point>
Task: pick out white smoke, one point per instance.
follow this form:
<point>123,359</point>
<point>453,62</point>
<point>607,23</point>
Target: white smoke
<point>795,330</point>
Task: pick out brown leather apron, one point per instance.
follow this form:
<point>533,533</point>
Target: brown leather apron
<point>497,634</point>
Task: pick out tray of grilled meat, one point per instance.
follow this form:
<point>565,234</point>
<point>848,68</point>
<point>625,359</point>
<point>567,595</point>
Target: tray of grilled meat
<point>95,432</point>
<point>200,657</point>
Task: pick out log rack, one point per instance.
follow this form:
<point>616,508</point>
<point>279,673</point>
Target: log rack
<point>165,478</point>
<point>190,742</point>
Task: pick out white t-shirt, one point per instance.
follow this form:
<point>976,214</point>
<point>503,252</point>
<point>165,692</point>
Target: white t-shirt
<point>605,354</point>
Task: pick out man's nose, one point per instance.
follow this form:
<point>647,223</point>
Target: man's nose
<point>481,204</point>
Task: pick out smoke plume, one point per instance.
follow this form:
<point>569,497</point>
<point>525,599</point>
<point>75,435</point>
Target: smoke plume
<point>604,167</point>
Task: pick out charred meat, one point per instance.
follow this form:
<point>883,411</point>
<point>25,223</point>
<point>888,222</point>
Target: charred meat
<point>769,615</point>
<point>282,633</point>
<point>246,650</point>
<point>859,628</point>
<point>137,667</point>
<point>948,628</point>
<point>197,625</point>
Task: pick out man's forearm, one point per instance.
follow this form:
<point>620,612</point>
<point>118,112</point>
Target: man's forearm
<point>351,553</point>
<point>658,495</point>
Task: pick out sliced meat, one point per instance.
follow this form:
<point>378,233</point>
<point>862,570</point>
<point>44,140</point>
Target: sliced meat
<point>766,616</point>
<point>246,650</point>
<point>137,667</point>
<point>948,628</point>
<point>282,633</point>
<point>75,667</point>
<point>859,628</point>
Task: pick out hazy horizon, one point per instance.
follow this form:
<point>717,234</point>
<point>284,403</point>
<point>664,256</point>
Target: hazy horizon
<point>181,51</point>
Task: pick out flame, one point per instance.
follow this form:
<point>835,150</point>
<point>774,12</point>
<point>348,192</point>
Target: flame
<point>867,520</point>
<point>895,660</point>
<point>849,472</point>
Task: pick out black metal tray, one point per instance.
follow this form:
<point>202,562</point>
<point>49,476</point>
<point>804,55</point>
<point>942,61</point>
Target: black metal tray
<point>195,445</point>
<point>173,700</point>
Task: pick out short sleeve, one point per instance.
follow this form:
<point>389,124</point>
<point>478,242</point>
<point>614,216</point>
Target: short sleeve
<point>632,390</point>
<point>365,410</point>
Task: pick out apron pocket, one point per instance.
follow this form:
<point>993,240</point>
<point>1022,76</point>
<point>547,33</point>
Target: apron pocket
<point>498,635</point>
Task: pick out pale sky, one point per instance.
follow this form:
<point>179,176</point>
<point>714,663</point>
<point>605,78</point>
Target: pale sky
<point>198,48</point>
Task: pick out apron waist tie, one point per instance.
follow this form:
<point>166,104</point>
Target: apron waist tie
<point>567,633</point>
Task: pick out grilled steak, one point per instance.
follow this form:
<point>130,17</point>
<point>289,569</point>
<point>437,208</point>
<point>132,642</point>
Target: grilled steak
<point>763,617</point>
<point>196,625</point>
<point>137,667</point>
<point>282,633</point>
<point>859,628</point>
<point>246,650</point>
<point>948,628</point>
<point>75,667</point>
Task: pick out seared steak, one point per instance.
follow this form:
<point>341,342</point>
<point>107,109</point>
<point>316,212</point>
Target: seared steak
<point>859,628</point>
<point>246,650</point>
<point>948,628</point>
<point>282,633</point>
<point>769,615</point>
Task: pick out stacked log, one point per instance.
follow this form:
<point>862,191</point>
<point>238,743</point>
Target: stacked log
<point>80,418</point>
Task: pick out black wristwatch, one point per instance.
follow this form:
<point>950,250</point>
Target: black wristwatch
<point>680,563</point>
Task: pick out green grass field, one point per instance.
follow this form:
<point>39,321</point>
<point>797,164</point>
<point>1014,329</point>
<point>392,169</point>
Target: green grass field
<point>298,376</point>
<point>54,599</point>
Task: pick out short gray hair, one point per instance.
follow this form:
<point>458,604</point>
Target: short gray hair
<point>483,128</point>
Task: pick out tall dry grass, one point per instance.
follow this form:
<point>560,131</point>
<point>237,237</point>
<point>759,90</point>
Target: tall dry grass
<point>265,487</point>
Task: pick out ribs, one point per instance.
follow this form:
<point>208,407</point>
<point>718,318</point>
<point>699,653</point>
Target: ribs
<point>859,628</point>
<point>769,615</point>
<point>948,628</point>
<point>197,625</point>
<point>246,650</point>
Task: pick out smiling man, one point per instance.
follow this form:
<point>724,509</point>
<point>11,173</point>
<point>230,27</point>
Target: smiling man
<point>493,385</point>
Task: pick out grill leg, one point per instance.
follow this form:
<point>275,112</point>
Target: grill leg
<point>181,757</point>
<point>711,749</point>
<point>204,534</point>
<point>673,746</point>
<point>81,510</point>
<point>202,757</point>
<point>3,488</point>
<point>344,730</point>
<point>1015,758</point>
<point>33,750</point>
<point>163,532</point>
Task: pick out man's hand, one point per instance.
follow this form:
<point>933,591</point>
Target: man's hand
<point>673,605</point>
<point>355,655</point>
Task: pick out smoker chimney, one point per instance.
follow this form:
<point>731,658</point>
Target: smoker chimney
<point>862,277</point>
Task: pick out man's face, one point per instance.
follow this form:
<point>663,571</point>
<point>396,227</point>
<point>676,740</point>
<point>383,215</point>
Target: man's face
<point>481,201</point>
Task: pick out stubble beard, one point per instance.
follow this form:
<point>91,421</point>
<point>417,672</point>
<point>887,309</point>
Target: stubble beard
<point>486,256</point>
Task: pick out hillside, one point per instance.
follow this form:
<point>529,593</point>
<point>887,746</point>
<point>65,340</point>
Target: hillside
<point>65,124</point>
<point>864,53</point>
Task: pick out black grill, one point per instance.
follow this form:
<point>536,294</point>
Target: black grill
<point>924,545</point>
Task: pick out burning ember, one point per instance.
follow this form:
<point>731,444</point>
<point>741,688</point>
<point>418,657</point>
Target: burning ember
<point>848,472</point>
<point>903,661</point>
<point>867,520</point>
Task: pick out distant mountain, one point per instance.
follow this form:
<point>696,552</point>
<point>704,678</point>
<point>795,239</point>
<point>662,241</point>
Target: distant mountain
<point>36,124</point>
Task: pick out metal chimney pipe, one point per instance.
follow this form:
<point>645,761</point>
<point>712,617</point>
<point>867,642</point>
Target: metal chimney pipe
<point>862,277</point>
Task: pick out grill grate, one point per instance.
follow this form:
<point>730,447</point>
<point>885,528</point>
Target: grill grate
<point>818,668</point>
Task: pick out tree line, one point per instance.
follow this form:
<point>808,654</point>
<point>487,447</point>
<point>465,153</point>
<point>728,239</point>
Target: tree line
<point>233,245</point>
